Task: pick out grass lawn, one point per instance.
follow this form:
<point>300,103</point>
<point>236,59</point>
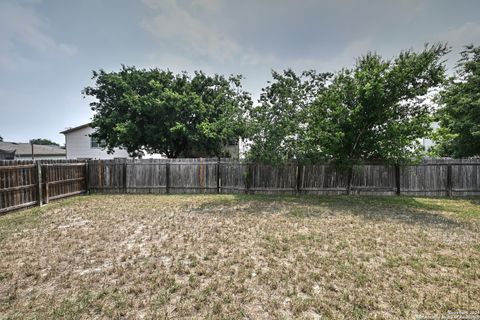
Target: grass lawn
<point>226,256</point>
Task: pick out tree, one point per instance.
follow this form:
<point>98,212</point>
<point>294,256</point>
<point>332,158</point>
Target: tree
<point>44,142</point>
<point>379,109</point>
<point>278,123</point>
<point>459,114</point>
<point>1,139</point>
<point>157,111</point>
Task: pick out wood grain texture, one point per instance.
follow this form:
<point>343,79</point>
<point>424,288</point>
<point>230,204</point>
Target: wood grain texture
<point>20,186</point>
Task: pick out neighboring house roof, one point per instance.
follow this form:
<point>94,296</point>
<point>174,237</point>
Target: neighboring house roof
<point>86,125</point>
<point>7,155</point>
<point>25,149</point>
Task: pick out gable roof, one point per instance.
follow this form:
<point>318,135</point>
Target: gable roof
<point>25,149</point>
<point>86,125</point>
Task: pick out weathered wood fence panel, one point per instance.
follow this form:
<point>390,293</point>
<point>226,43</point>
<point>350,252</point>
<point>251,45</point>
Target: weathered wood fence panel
<point>106,176</point>
<point>193,177</point>
<point>63,179</point>
<point>146,178</point>
<point>26,183</point>
<point>324,179</point>
<point>465,179</point>
<point>155,176</point>
<point>444,178</point>
<point>424,180</point>
<point>373,179</point>
<point>233,177</point>
<point>18,186</point>
<point>266,179</point>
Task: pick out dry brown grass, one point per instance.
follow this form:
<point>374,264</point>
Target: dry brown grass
<point>254,257</point>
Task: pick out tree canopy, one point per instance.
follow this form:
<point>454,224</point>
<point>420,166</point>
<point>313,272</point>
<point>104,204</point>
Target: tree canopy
<point>375,111</point>
<point>278,123</point>
<point>157,111</point>
<point>46,142</point>
<point>459,113</point>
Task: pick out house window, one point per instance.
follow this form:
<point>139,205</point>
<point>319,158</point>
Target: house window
<point>95,144</point>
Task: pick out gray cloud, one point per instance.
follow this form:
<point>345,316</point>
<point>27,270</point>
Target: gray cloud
<point>22,29</point>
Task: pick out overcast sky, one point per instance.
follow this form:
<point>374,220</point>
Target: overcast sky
<point>48,48</point>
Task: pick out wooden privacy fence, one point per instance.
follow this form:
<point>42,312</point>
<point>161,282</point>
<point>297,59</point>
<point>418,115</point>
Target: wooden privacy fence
<point>460,178</point>
<point>63,180</point>
<point>27,183</point>
<point>154,176</point>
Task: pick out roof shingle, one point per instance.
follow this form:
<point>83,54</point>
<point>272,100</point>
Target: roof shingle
<point>24,149</point>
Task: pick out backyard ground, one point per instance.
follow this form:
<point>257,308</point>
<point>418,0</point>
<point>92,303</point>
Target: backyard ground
<point>254,257</point>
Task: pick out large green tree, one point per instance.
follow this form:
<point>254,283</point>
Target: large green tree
<point>157,111</point>
<point>379,109</point>
<point>376,110</point>
<point>459,113</point>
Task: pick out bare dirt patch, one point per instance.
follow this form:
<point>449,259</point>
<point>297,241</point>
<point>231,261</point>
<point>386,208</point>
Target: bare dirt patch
<point>130,256</point>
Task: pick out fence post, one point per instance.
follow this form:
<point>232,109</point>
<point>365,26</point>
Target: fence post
<point>299,178</point>
<point>39,181</point>
<point>218,175</point>
<point>449,180</point>
<point>247,179</point>
<point>87,177</point>
<point>167,178</point>
<point>47,178</point>
<point>124,178</point>
<point>397,179</point>
<point>100,176</point>
<point>349,179</point>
